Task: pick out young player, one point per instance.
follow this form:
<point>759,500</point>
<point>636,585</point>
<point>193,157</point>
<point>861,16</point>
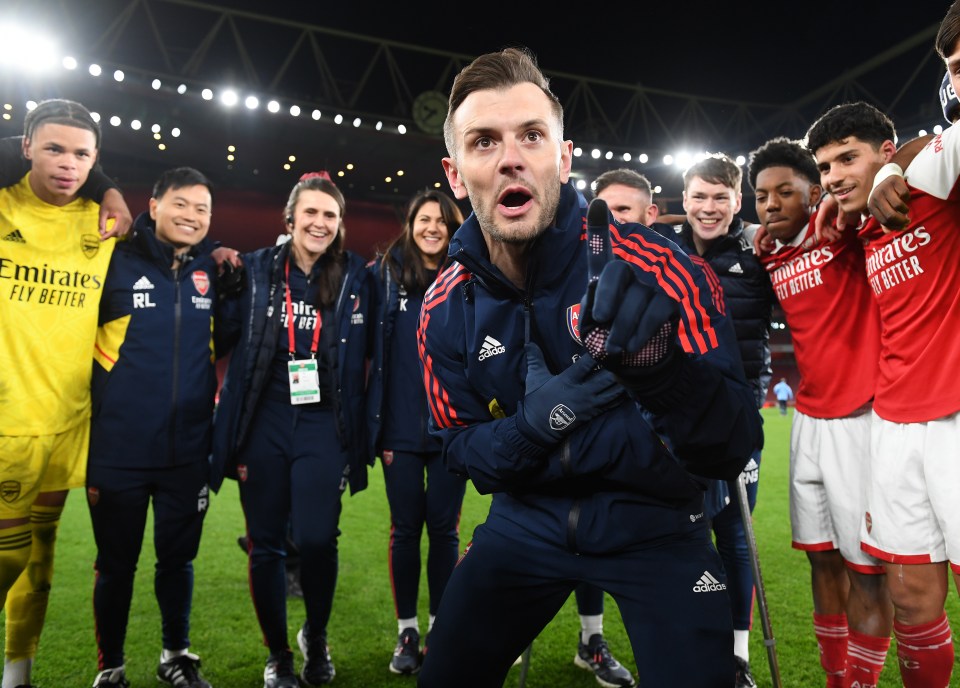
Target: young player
<point>835,328</point>
<point>52,269</point>
<point>911,522</point>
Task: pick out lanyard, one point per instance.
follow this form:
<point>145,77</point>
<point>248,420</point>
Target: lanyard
<point>317,326</point>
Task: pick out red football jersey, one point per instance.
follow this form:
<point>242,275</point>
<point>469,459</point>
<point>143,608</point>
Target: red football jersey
<point>833,321</point>
<point>915,276</point>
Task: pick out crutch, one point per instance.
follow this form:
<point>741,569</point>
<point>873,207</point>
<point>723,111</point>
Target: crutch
<point>524,666</point>
<point>768,640</point>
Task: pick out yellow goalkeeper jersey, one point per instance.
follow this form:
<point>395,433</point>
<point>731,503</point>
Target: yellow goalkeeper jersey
<point>52,268</point>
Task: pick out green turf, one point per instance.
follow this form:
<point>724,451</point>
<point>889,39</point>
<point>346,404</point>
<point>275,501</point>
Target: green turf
<point>363,629</point>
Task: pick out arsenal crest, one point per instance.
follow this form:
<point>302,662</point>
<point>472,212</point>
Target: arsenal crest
<point>573,322</point>
<point>93,495</point>
<point>9,490</point>
<point>201,280</point>
<point>242,472</point>
<point>90,244</point>
<point>387,457</point>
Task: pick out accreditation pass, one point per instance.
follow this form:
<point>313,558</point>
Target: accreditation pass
<point>304,381</point>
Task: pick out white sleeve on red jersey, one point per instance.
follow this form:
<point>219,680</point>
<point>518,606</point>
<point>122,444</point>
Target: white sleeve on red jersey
<point>936,168</point>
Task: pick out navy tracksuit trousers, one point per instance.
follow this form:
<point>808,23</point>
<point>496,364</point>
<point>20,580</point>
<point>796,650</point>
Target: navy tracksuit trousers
<point>118,499</point>
<point>509,585</point>
<point>292,474</point>
<point>415,502</point>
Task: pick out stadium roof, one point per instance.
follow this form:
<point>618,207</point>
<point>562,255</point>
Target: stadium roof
<point>673,78</point>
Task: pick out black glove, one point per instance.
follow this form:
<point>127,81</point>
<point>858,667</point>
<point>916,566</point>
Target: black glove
<point>230,281</point>
<point>627,320</point>
<point>554,405</point>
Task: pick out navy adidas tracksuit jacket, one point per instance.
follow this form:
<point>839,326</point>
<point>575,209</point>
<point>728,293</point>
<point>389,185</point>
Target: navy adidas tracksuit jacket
<point>154,376</point>
<point>153,388</point>
<point>255,329</point>
<point>610,505</point>
<point>613,483</point>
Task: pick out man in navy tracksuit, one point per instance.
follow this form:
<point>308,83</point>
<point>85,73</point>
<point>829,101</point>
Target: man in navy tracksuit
<point>584,485</point>
<point>154,381</point>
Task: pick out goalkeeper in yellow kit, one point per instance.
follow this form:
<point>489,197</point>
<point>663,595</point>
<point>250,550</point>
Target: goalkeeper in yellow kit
<point>52,267</point>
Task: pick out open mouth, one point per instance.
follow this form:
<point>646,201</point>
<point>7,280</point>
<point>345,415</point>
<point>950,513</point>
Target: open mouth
<point>515,199</point>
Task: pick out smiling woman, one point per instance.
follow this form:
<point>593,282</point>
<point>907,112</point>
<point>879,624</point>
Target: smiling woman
<point>290,424</point>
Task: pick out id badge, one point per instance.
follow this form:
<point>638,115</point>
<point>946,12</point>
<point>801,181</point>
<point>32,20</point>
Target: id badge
<point>304,381</point>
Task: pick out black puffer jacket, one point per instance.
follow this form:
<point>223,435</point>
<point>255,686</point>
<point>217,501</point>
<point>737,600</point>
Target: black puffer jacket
<point>748,296</point>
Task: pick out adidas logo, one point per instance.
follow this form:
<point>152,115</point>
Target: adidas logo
<point>751,472</point>
<point>16,236</point>
<point>708,583</point>
<point>736,269</point>
<point>490,347</point>
<point>143,283</point>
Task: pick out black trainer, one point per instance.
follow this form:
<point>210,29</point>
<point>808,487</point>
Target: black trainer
<point>317,665</point>
<point>744,677</point>
<point>406,656</point>
<point>279,671</point>
<point>595,656</point>
<point>183,671</point>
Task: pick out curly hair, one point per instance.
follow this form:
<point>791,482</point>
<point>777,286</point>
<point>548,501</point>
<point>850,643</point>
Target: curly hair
<point>782,152</point>
<point>840,122</point>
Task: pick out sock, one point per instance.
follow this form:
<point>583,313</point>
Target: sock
<point>865,657</point>
<point>15,544</point>
<point>404,624</point>
<point>166,655</point>
<point>17,673</point>
<point>741,644</point>
<point>590,625</point>
<point>925,652</point>
<point>27,600</point>
<point>831,631</point>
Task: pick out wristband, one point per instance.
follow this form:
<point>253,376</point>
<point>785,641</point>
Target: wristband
<point>888,170</point>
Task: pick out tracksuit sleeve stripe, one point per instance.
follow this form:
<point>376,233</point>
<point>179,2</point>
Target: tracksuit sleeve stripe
<point>697,333</point>
<point>438,399</point>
